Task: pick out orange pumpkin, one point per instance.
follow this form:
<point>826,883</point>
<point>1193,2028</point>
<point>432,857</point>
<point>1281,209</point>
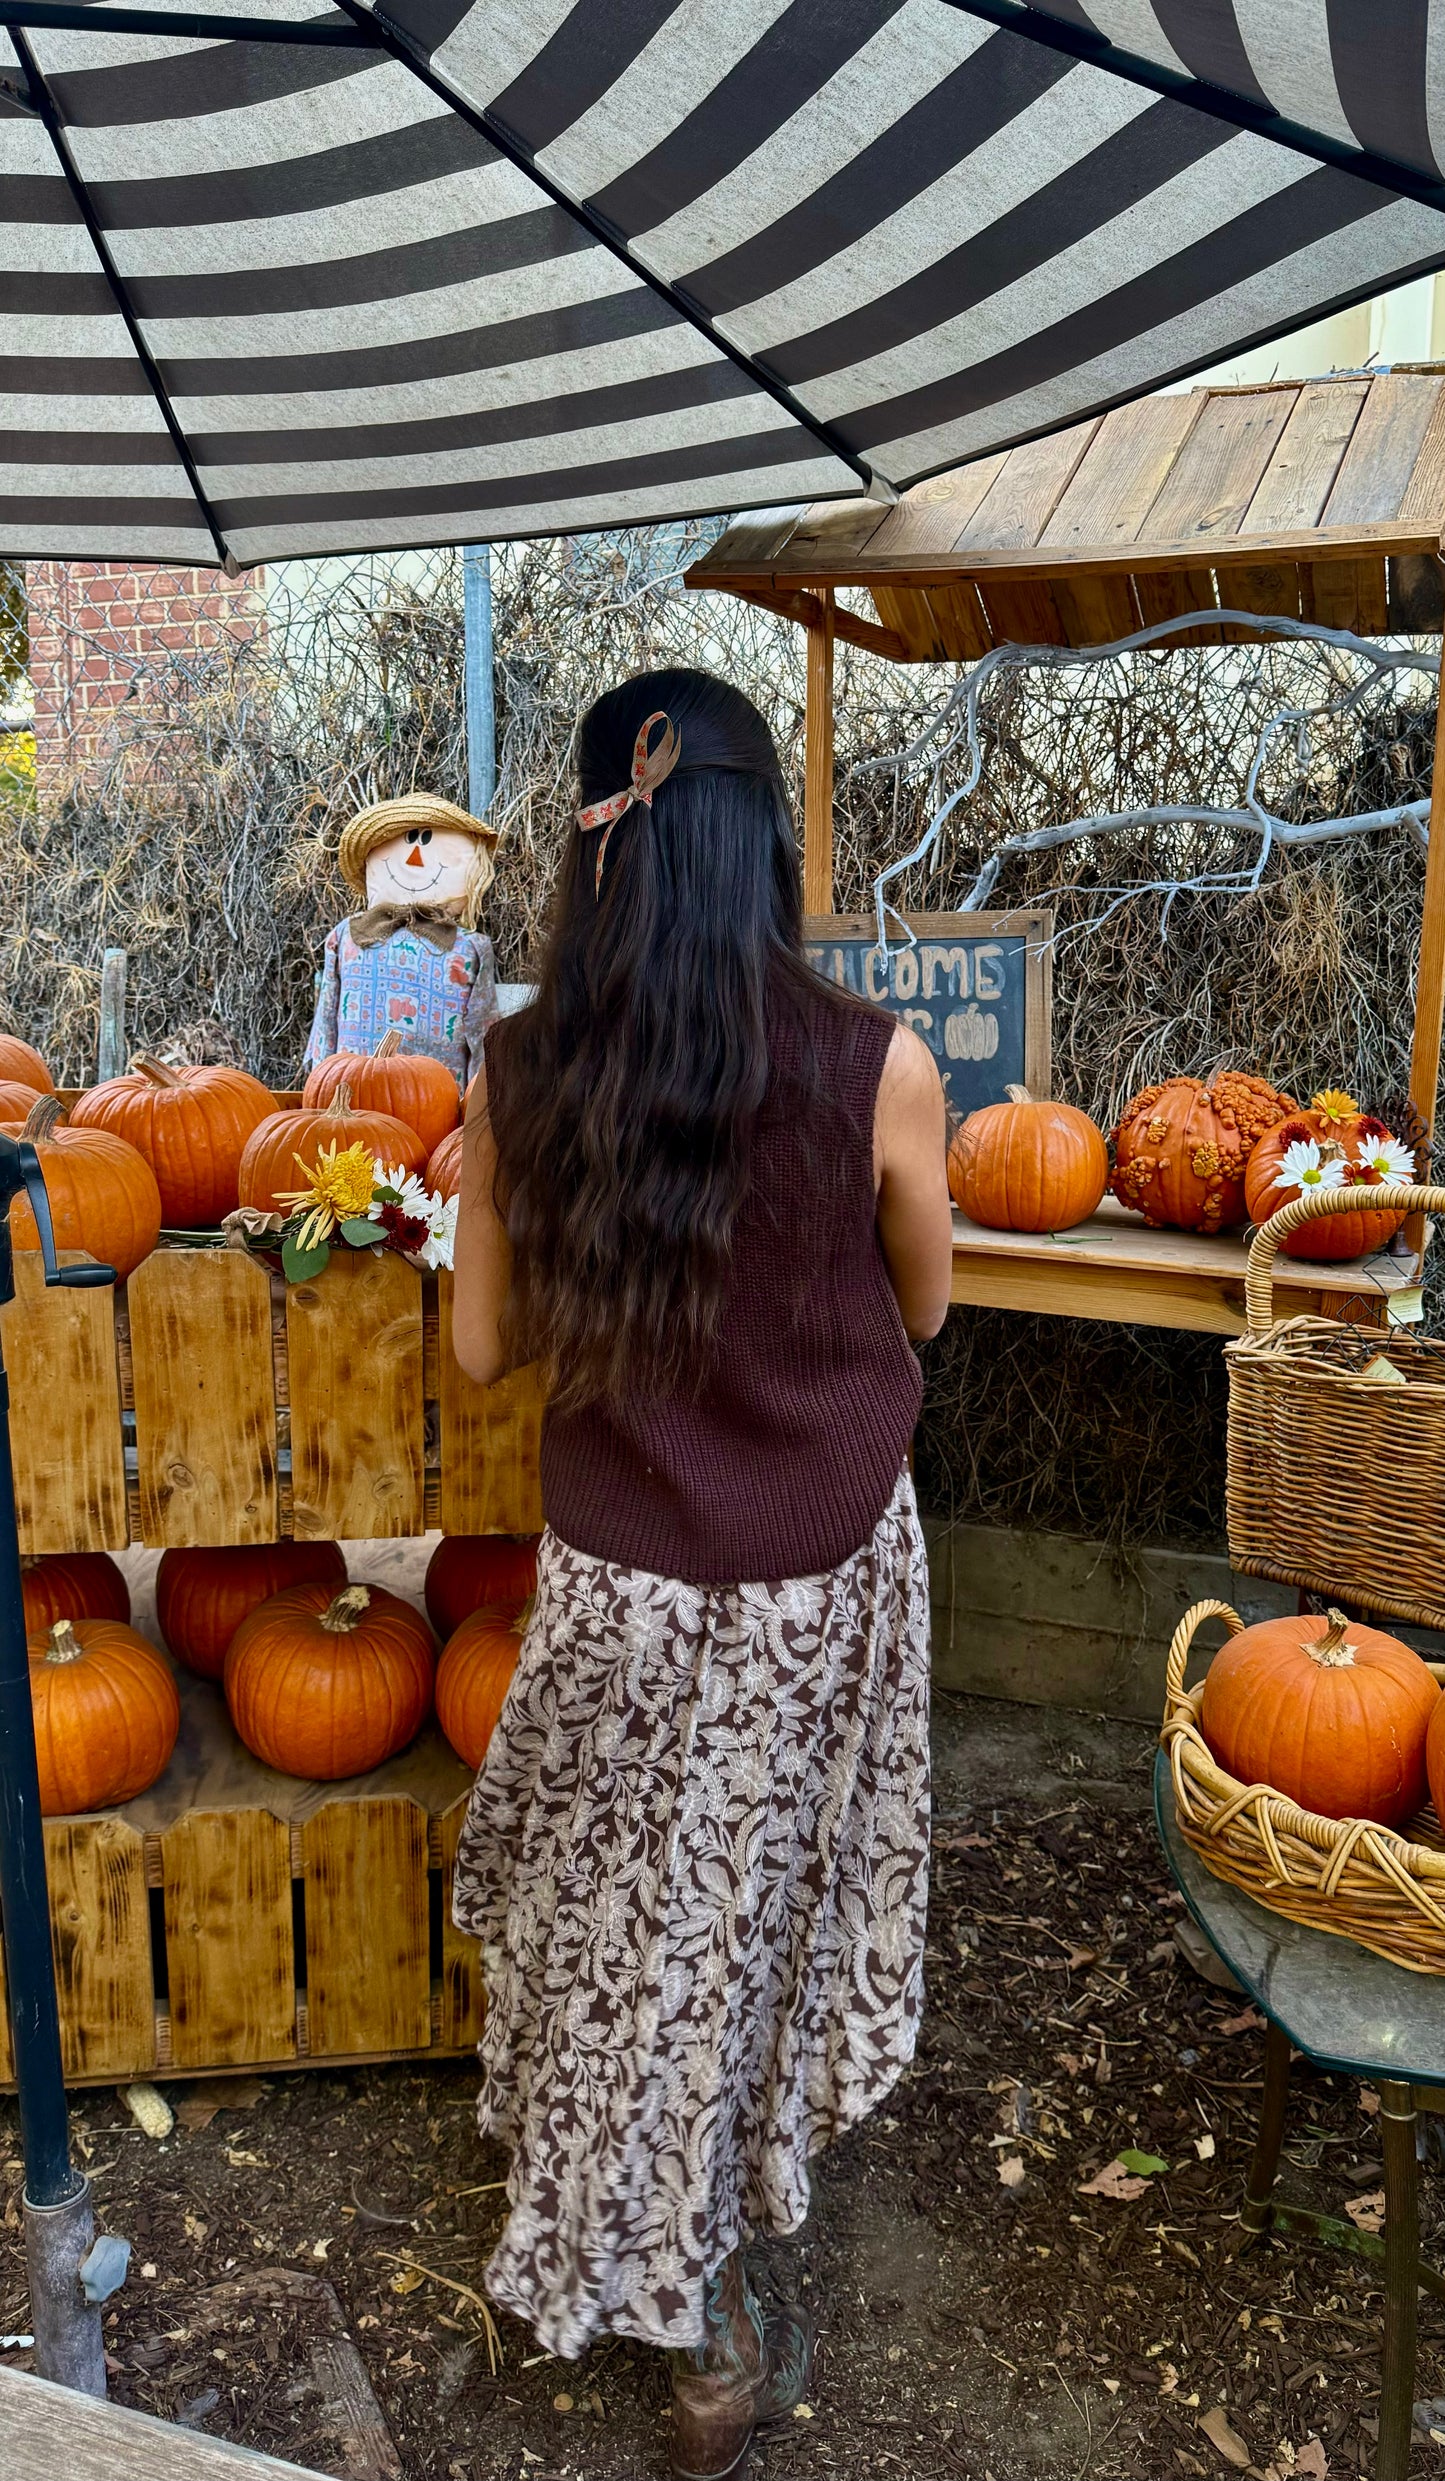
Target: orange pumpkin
<point>467,1570</point>
<point>73,1585</point>
<point>444,1168</point>
<point>202,1596</point>
<point>1331,1713</point>
<point>474,1675</point>
<point>324,1685</point>
<point>407,1084</point>
<point>20,1064</point>
<point>1023,1166</point>
<point>1331,1121</point>
<point>1181,1148</point>
<point>191,1125</point>
<point>16,1101</point>
<point>103,1195</point>
<point>106,1714</point>
<point>269,1166</point>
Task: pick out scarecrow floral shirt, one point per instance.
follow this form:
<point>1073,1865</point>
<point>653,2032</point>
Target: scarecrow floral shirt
<point>439,1002</point>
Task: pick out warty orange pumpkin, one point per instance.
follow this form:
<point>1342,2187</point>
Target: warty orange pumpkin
<point>1026,1166</point>
<point>190,1124</point>
<point>1181,1148</point>
<point>106,1714</point>
<point>202,1596</point>
<point>409,1085</point>
<point>1333,1714</point>
<point>103,1195</point>
<point>324,1685</point>
<point>73,1585</point>
<point>474,1675</point>
<point>468,1570</point>
<point>270,1169</point>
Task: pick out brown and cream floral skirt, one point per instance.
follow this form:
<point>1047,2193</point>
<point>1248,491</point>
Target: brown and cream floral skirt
<point>696,1858</point>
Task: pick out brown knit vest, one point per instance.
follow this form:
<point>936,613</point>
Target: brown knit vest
<point>781,1463</point>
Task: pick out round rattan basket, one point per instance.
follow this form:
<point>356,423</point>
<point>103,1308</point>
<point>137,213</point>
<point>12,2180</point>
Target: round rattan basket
<point>1383,1889</point>
<point>1336,1461</point>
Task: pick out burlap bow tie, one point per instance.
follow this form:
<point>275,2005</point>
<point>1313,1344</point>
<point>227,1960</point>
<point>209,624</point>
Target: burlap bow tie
<point>380,922</point>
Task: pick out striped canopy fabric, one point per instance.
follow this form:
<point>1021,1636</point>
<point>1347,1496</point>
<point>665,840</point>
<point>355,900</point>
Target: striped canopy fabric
<point>295,282</point>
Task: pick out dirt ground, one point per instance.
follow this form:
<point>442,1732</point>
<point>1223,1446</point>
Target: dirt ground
<point>983,2314</point>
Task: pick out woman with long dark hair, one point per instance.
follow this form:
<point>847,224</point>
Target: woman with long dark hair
<point>708,1190</point>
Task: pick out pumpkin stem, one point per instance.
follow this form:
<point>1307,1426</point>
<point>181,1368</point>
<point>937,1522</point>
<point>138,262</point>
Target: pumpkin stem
<point>388,1046</point>
<point>64,1646</point>
<point>43,1118</point>
<point>1018,1094</point>
<point>155,1071</point>
<point>341,1615</point>
<point>340,1102</point>
<point>1331,1649</point>
<point>524,1616</point>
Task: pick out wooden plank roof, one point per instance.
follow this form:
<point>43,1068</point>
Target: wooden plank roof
<point>1321,499</point>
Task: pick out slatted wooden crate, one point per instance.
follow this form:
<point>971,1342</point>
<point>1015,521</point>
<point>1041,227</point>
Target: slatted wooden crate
<point>234,1918</point>
<point>207,1402</point>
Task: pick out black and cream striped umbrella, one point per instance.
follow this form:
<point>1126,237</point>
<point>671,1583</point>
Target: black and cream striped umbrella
<point>291,282</point>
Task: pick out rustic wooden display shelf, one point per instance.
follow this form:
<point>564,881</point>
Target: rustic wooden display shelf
<point>236,1918</point>
<point>1114,1267</point>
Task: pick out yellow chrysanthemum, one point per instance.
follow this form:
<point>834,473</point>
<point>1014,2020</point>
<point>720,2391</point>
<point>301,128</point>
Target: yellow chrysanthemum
<point>338,1185</point>
<point>1332,1105</point>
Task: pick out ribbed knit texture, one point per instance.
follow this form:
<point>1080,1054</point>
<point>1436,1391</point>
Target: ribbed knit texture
<point>784,1459</point>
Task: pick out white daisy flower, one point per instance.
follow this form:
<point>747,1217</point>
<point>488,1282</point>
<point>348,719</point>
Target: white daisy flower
<point>440,1216</point>
<point>1388,1159</point>
<point>391,1181</point>
<point>1302,1167</point>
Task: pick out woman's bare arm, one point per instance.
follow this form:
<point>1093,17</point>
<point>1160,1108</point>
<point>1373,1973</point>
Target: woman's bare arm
<point>483,1255</point>
<point>915,1222</point>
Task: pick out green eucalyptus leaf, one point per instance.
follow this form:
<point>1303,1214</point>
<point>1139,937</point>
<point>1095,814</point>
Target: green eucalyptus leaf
<point>361,1232</point>
<point>299,1265</point>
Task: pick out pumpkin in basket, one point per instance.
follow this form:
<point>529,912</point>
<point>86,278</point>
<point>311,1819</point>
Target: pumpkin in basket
<point>409,1085</point>
<point>1181,1148</point>
<point>73,1585</point>
<point>1332,1145</point>
<point>1332,1714</point>
<point>21,1064</point>
<point>324,1685</point>
<point>290,1143</point>
<point>103,1195</point>
<point>474,1675</point>
<point>106,1714</point>
<point>1022,1166</point>
<point>190,1124</point>
<point>1435,1760</point>
<point>468,1570</point>
<point>202,1596</point>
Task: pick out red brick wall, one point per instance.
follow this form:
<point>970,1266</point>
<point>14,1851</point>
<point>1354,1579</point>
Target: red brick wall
<point>95,628</point>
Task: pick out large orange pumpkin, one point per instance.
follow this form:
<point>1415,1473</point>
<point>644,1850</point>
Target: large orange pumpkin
<point>1181,1148</point>
<point>103,1195</point>
<point>324,1685</point>
<point>269,1166</point>
<point>20,1064</point>
<point>202,1596</point>
<point>191,1125</point>
<point>408,1084</point>
<point>467,1570</point>
<point>474,1675</point>
<point>1023,1166</point>
<point>1331,1713</point>
<point>73,1585</point>
<point>444,1167</point>
<point>106,1714</point>
<point>1331,1121</point>
<point>16,1101</point>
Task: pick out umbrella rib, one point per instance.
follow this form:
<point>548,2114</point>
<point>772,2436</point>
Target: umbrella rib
<point>85,17</point>
<point>406,49</point>
<point>1086,44</point>
<point>45,106</point>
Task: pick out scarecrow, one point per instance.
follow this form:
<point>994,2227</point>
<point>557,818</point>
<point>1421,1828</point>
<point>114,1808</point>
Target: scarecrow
<point>412,961</point>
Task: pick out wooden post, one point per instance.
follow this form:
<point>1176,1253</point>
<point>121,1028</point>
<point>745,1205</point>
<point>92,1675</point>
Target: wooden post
<point>110,1050</point>
<point>818,765</point>
<point>1430,979</point>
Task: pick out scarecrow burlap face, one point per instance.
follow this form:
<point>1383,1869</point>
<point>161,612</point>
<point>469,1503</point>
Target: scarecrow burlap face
<point>423,865</point>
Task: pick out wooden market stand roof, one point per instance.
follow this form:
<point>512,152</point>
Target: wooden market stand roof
<point>1320,500</point>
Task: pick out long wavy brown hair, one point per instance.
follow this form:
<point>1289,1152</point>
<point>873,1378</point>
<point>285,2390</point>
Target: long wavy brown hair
<point>623,1099</point>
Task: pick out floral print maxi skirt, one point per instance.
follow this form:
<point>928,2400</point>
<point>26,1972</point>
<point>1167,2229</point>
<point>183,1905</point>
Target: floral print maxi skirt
<point>696,1858</point>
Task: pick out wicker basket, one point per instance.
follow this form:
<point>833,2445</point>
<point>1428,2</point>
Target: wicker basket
<point>1361,1881</point>
<point>1336,1482</point>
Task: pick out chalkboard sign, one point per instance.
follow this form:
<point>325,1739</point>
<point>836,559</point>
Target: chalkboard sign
<point>976,987</point>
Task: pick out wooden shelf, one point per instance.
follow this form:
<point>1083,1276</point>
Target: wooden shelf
<point>1114,1267</point>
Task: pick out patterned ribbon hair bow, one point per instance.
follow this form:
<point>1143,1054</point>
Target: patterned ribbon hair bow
<point>650,767</point>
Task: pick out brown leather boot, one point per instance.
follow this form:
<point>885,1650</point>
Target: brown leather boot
<point>747,2371</point>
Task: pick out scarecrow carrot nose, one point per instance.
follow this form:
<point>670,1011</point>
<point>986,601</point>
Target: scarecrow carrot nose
<point>414,859</point>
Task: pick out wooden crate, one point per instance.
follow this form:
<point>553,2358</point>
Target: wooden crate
<point>234,1918</point>
<point>205,1402</point>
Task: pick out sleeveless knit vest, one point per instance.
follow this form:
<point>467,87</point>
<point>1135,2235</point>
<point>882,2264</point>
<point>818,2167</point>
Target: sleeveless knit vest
<point>782,1461</point>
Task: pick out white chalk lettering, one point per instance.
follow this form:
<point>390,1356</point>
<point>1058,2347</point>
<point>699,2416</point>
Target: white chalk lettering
<point>985,985</point>
<point>905,973</point>
<point>954,965</point>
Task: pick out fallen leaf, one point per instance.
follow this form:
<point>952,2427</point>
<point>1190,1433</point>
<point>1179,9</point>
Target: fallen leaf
<point>1115,2180</point>
<point>1367,2213</point>
<point>1249,2020</point>
<point>802,2412</point>
<point>1145,2164</point>
<point>1312,2461</point>
<point>1112,2385</point>
<point>412,2280</point>
<point>210,2094</point>
<point>242,2161</point>
<point>1215,2425</point>
<point>1160,1951</point>
<point>1069,2061</point>
<point>1369,2101</point>
<point>1011,2171</point>
<point>319,2247</point>
<point>1078,1957</point>
<point>1204,2147</point>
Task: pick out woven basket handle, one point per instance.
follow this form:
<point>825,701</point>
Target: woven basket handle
<point>1180,1643</point>
<point>1392,1197</point>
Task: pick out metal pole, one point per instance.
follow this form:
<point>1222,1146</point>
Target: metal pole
<point>477,674</point>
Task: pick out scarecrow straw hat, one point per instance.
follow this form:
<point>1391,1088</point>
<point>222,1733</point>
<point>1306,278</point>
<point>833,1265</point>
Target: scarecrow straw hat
<point>384,819</point>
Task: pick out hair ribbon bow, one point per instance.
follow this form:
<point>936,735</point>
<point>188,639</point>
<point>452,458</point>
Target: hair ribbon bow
<point>650,767</point>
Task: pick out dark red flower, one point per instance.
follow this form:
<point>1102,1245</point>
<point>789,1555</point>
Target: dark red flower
<point>405,1232</point>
